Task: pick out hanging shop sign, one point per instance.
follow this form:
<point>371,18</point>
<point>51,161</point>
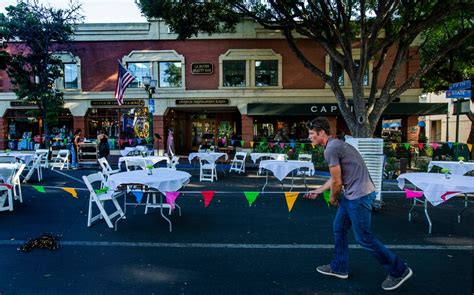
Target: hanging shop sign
<point>22,104</point>
<point>205,68</point>
<point>130,102</point>
<point>202,101</point>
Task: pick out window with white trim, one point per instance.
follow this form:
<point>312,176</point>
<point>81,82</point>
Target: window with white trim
<point>344,80</point>
<point>250,68</point>
<point>70,76</point>
<point>70,79</point>
<point>166,66</point>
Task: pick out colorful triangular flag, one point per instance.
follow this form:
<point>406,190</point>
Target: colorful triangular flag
<point>71,191</point>
<point>435,146</point>
<point>251,144</point>
<point>327,197</point>
<point>420,146</point>
<point>469,146</point>
<point>282,145</point>
<point>290,199</point>
<point>138,195</point>
<point>208,195</point>
<point>394,146</point>
<point>302,145</point>
<point>413,194</point>
<point>171,197</point>
<point>450,144</point>
<point>407,146</point>
<point>292,144</point>
<point>251,197</point>
<point>39,188</point>
<point>242,143</point>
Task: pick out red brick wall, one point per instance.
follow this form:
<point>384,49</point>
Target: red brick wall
<point>3,133</point>
<point>158,127</point>
<point>247,130</point>
<point>78,123</point>
<point>410,126</point>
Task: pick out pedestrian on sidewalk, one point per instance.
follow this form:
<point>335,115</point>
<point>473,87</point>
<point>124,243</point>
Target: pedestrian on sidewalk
<point>75,148</point>
<point>350,176</point>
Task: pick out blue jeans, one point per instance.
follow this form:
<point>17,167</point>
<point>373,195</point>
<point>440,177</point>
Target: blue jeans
<point>358,213</point>
<point>73,156</point>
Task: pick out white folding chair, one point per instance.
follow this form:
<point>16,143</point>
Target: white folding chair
<point>6,202</point>
<point>16,182</point>
<point>106,169</point>
<point>35,166</point>
<point>137,163</point>
<point>174,161</point>
<point>308,158</point>
<point>142,149</point>
<point>44,154</point>
<point>238,163</point>
<point>61,160</point>
<point>207,170</point>
<point>100,199</point>
<point>7,172</point>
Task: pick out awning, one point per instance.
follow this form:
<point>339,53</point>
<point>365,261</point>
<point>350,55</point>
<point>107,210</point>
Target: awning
<point>331,109</point>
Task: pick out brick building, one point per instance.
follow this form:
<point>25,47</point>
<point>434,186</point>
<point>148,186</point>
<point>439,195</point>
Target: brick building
<point>240,86</point>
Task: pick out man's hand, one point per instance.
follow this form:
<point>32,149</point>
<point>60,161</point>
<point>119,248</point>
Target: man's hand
<point>334,202</point>
<point>313,194</point>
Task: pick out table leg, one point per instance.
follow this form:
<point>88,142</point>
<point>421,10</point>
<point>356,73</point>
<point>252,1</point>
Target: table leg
<point>161,211</point>
<point>428,216</point>
<point>292,180</point>
<point>266,181</point>
<point>462,210</point>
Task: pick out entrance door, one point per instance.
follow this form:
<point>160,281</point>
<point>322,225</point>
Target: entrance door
<point>202,132</point>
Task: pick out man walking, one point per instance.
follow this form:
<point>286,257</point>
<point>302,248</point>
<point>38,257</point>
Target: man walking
<point>348,171</point>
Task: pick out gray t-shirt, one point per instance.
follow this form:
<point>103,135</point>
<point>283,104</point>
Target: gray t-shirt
<point>355,176</point>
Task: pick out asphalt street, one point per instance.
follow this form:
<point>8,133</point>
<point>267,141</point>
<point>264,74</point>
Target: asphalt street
<point>227,248</point>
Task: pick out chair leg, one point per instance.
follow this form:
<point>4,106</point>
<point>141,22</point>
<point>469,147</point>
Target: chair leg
<point>89,215</point>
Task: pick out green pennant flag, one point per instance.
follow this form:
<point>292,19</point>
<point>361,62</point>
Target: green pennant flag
<point>251,197</point>
<point>261,143</point>
<point>242,143</point>
<point>407,146</point>
<point>327,197</point>
<point>302,145</point>
<point>39,188</point>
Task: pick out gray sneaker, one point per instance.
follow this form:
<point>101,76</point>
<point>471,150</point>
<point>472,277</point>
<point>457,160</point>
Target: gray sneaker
<point>392,283</point>
<point>327,270</point>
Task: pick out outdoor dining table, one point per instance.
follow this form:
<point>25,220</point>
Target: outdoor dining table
<point>256,156</point>
<point>281,169</point>
<point>162,179</point>
<point>24,157</point>
<point>456,168</point>
<point>152,160</point>
<point>437,188</point>
<point>211,157</point>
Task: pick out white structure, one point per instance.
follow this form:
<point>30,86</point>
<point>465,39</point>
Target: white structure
<point>436,124</point>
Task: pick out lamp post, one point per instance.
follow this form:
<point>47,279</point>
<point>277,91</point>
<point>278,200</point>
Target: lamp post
<point>150,86</point>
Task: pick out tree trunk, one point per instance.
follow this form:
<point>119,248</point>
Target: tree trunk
<point>46,131</point>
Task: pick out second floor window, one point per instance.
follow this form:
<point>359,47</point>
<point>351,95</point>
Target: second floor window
<point>234,73</point>
<point>70,76</point>
<point>139,69</point>
<point>266,73</point>
<point>366,74</point>
<point>170,74</point>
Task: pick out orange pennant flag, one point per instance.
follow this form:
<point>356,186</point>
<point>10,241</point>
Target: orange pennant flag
<point>290,199</point>
<point>394,146</point>
<point>251,144</point>
<point>71,191</point>
<point>208,195</point>
<point>469,146</point>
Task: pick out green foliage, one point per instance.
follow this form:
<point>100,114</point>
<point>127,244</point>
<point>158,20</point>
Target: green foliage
<point>32,67</point>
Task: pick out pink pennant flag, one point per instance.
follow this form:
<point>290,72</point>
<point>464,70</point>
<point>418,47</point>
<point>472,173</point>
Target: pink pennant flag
<point>272,144</point>
<point>282,145</point>
<point>420,146</point>
<point>129,141</point>
<point>413,194</point>
<point>208,195</point>
<point>171,197</point>
<point>435,145</point>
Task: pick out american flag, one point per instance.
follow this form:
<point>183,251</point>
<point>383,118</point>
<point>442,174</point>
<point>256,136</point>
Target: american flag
<point>124,78</point>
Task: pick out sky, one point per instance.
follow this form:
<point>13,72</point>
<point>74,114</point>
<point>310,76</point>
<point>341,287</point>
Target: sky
<point>97,11</point>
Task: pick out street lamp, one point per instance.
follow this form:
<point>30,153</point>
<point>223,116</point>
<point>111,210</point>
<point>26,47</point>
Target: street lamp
<point>150,86</point>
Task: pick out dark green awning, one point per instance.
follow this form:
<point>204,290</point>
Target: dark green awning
<point>276,109</point>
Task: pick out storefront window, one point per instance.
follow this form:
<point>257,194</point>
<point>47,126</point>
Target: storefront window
<point>170,74</point>
<point>130,123</point>
<point>70,76</point>
<point>266,73</point>
<point>139,70</point>
<point>234,73</point>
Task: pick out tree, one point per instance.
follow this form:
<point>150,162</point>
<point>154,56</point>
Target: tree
<point>337,26</point>
<point>35,33</point>
<point>457,65</point>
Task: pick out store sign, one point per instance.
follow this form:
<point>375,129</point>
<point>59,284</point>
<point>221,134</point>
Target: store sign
<point>201,101</point>
<point>202,68</point>
<point>22,104</point>
<point>132,102</point>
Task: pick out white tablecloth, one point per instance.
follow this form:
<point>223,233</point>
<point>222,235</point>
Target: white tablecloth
<point>282,168</point>
<point>210,157</point>
<point>148,160</point>
<point>436,187</point>
<point>457,168</point>
<point>26,158</point>
<point>126,150</point>
<point>255,156</point>
<point>162,179</point>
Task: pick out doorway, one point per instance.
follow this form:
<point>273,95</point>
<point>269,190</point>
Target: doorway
<point>203,130</point>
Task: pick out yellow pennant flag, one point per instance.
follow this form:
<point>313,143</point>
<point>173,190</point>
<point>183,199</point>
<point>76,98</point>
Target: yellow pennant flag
<point>394,146</point>
<point>290,199</point>
<point>71,191</point>
<point>469,146</point>
<point>251,144</point>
